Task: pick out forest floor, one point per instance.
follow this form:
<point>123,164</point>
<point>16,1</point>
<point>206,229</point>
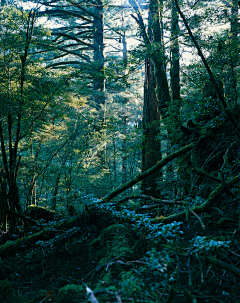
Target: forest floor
<point>39,273</point>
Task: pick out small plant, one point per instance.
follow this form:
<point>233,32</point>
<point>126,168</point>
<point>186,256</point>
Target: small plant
<point>202,243</point>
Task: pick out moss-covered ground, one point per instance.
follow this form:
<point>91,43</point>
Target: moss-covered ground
<point>123,260</point>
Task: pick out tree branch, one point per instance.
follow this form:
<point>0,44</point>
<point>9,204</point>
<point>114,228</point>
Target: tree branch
<point>139,20</point>
<point>73,38</point>
<point>63,12</point>
<point>206,175</point>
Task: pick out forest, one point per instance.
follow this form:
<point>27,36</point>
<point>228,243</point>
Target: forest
<point>120,151</point>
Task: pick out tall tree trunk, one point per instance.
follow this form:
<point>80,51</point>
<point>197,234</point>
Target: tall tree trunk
<point>175,67</point>
<point>124,150</point>
<point>158,57</point>
<point>151,151</point>
<point>124,141</point>
<point>99,82</point>
<point>11,165</point>
<point>156,96</point>
<point>175,93</point>
<point>55,191</point>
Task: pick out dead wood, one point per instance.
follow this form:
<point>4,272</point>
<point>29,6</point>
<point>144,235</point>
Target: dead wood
<point>22,217</point>
<point>20,245</point>
<point>147,173</point>
<point>224,265</point>
<point>146,197</point>
<point>205,207</point>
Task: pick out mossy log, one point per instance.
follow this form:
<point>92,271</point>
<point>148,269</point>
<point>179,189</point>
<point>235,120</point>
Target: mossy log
<point>20,245</point>
<point>37,212</point>
<point>145,174</point>
<point>150,198</point>
<point>90,216</point>
<point>203,207</point>
<point>224,265</point>
<point>22,217</point>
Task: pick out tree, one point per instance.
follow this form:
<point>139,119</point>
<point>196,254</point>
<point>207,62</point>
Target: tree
<point>9,120</point>
<point>79,42</point>
<point>156,94</point>
<point>25,93</point>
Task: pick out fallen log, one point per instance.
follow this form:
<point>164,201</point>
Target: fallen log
<point>150,198</point>
<point>61,231</point>
<point>224,265</point>
<point>146,173</point>
<point>22,217</point>
<point>203,207</point>
<point>20,245</point>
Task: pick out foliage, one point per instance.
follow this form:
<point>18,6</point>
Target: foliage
<point>71,153</point>
<point>7,294</point>
<point>70,293</point>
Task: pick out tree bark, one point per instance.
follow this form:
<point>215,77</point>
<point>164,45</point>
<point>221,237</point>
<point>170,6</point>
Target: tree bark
<point>151,150</point>
<point>98,56</point>
<point>175,66</point>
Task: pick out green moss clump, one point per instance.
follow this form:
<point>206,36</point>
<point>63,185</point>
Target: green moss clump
<point>71,294</point>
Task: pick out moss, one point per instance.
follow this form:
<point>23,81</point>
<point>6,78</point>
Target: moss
<point>71,294</point>
<point>20,245</point>
<point>7,294</point>
<point>37,212</point>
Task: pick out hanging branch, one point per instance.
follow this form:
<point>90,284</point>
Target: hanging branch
<point>218,90</point>
<point>139,20</point>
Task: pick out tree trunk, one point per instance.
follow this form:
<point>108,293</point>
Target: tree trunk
<point>175,68</point>
<point>99,82</point>
<point>158,57</point>
<point>124,141</point>
<point>233,49</point>
<point>156,99</point>
<point>151,151</point>
<point>175,95</point>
